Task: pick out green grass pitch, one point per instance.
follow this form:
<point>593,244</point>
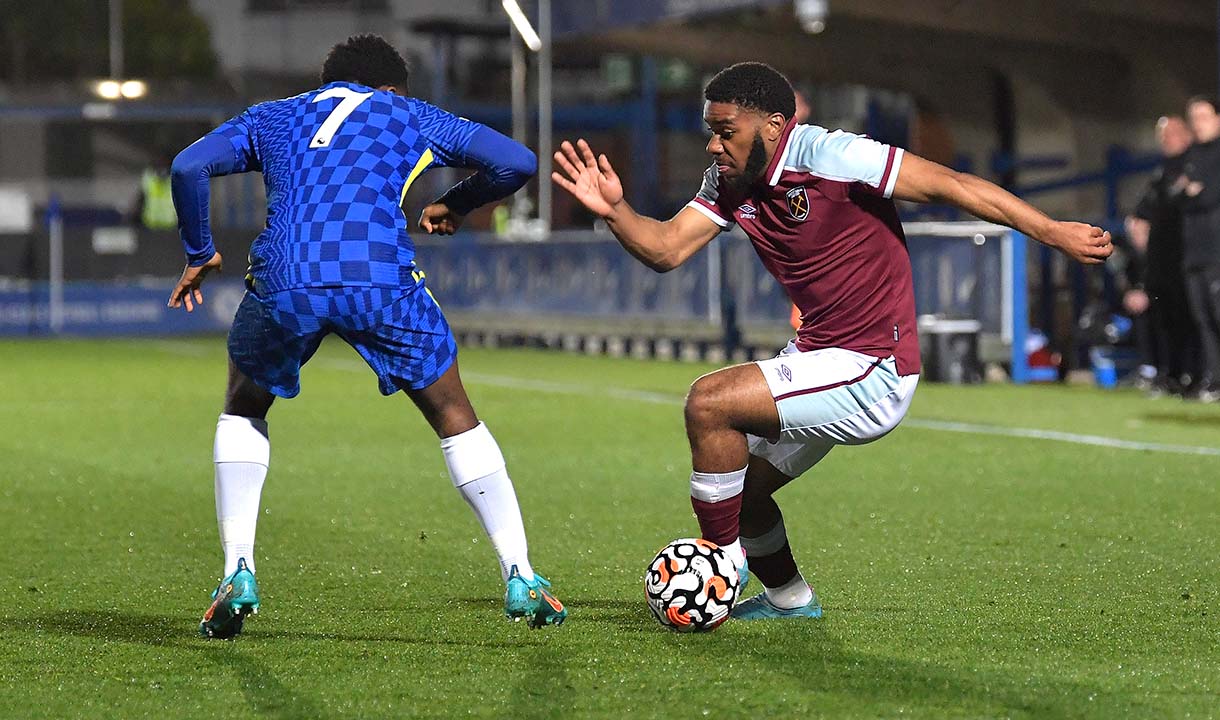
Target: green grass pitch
<point>963,575</point>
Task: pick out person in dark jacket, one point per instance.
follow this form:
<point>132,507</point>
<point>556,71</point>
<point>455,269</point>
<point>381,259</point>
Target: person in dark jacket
<point>1199,190</point>
<point>1158,291</point>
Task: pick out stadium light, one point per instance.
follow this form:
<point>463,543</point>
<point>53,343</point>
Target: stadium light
<point>133,89</point>
<point>811,14</point>
<point>522,24</point>
<point>108,89</point>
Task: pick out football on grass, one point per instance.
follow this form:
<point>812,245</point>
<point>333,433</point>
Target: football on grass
<point>691,585</point>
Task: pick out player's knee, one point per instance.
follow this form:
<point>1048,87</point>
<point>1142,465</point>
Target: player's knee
<point>451,421</point>
<point>704,404</point>
<point>246,399</point>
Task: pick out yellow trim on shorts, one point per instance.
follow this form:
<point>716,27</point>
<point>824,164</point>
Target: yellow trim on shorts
<point>418,275</point>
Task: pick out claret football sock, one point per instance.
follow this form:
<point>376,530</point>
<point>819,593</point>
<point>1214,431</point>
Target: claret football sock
<point>241,454</point>
<point>477,469</point>
<point>716,498</point>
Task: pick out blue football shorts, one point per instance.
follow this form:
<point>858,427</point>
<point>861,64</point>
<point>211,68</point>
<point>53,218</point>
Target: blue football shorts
<point>400,332</point>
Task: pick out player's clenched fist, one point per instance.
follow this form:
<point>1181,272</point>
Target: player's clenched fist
<point>1082,242</point>
<point>438,219</point>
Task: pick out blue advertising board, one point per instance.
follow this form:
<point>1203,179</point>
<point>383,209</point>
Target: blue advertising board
<point>582,274</point>
<point>102,308</point>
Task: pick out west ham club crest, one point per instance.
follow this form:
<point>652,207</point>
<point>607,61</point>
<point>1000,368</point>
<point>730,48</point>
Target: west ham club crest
<point>798,203</point>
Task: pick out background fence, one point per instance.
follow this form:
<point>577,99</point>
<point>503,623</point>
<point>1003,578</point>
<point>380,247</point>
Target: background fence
<point>576,290</point>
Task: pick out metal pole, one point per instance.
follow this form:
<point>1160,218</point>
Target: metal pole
<point>519,70</point>
<point>1019,306</point>
<point>116,39</point>
<point>545,106</point>
<point>55,236</point>
<point>645,155</point>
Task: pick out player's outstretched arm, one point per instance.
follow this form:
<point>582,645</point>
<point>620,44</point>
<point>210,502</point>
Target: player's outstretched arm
<point>661,245</point>
<point>921,180</point>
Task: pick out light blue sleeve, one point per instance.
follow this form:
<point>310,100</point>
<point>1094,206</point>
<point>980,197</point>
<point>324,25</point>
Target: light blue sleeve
<point>845,157</point>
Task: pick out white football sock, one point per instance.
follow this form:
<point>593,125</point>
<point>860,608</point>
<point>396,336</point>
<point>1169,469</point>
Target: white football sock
<point>241,453</point>
<point>793,594</point>
<point>735,553</point>
<point>477,470</point>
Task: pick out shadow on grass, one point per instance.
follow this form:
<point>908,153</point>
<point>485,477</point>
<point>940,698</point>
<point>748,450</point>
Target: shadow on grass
<point>264,692</point>
<point>1184,418</point>
<point>816,663</point>
<point>267,695</point>
<point>173,631</point>
<point>623,615</point>
<point>119,627</point>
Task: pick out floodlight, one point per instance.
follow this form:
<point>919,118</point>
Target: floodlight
<point>108,89</point>
<point>133,89</point>
<point>522,24</point>
<point>811,14</point>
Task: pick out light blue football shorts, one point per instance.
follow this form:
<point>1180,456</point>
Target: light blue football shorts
<point>830,397</point>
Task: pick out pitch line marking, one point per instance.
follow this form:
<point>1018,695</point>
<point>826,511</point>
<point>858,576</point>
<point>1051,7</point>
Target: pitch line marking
<point>653,398</point>
<point>912,422</point>
<point>1036,434</point>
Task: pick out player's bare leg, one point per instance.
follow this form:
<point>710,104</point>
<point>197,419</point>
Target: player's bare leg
<point>478,471</point>
<point>445,405</point>
<point>765,541</point>
<point>241,454</point>
<point>721,409</point>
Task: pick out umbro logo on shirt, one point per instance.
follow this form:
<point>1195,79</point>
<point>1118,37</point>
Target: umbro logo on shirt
<point>748,211</point>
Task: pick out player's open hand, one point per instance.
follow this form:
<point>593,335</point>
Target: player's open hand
<point>438,219</point>
<point>187,291</point>
<point>590,180</point>
<point>1082,242</point>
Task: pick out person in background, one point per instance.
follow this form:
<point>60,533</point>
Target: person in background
<point>153,207</point>
<point>1158,293</point>
<point>1198,189</point>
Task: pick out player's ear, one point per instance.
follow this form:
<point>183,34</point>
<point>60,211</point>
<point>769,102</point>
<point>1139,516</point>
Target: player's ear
<point>775,126</point>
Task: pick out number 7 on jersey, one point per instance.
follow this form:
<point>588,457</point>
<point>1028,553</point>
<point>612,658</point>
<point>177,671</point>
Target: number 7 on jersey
<point>351,100</point>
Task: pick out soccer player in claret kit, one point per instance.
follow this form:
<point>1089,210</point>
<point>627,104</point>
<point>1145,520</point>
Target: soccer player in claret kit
<point>335,257</point>
<point>818,208</point>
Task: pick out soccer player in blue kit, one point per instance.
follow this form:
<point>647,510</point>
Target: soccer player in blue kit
<point>335,257</point>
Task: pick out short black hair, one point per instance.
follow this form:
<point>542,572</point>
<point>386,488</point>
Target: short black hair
<point>754,86</point>
<point>1206,99</point>
<point>367,60</point>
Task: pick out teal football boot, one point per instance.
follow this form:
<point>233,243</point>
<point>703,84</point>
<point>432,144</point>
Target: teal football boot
<point>743,576</point>
<point>532,600</point>
<point>760,608</point>
<point>234,599</point>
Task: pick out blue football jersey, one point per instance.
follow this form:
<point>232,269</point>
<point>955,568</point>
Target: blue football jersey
<point>337,163</point>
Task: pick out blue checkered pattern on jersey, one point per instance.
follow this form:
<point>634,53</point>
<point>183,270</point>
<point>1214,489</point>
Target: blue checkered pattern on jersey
<point>333,215</point>
<point>400,333</point>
